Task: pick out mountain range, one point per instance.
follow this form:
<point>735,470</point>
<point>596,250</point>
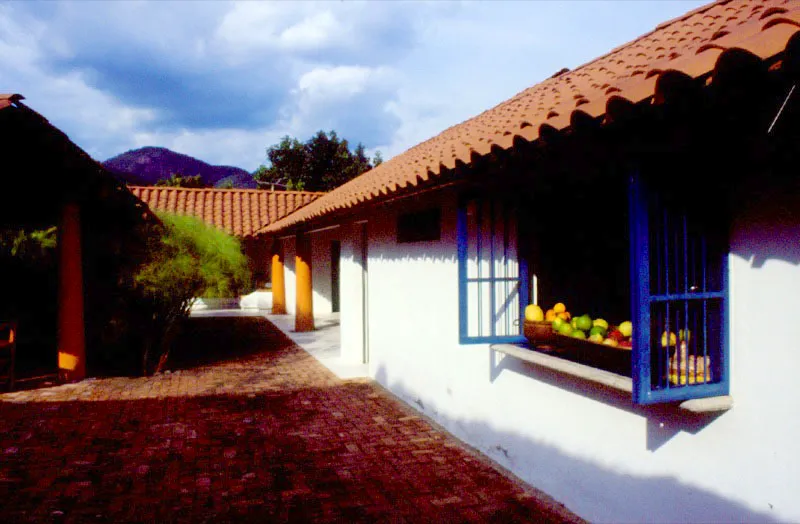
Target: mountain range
<point>147,165</point>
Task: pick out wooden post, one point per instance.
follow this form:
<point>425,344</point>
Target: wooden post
<point>304,316</point>
<point>278,282</point>
<point>71,329</point>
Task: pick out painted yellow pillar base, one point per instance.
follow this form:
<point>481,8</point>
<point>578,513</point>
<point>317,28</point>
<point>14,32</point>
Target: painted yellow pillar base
<point>278,285</point>
<point>304,319</point>
<point>71,329</point>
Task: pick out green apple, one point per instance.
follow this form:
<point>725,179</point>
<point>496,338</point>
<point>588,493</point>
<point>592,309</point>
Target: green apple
<point>579,334</point>
<point>584,323</point>
<point>565,330</point>
<point>597,338</point>
<point>598,330</point>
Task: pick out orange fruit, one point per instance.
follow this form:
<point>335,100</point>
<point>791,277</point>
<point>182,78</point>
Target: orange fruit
<point>560,307</point>
<point>550,315</point>
<point>565,315</point>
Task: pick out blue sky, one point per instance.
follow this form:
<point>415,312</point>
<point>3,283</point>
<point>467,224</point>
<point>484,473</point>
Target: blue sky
<point>223,80</point>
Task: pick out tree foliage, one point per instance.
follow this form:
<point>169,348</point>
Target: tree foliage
<point>321,163</point>
<point>179,180</point>
<point>190,259</point>
<point>31,245</point>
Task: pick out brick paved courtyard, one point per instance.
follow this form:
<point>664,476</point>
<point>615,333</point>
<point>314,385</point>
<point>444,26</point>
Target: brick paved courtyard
<point>250,427</point>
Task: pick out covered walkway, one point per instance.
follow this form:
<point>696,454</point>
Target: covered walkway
<point>245,426</point>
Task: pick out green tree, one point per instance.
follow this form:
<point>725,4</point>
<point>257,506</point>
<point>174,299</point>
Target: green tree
<point>189,260</point>
<point>287,164</point>
<point>321,163</point>
<point>179,180</point>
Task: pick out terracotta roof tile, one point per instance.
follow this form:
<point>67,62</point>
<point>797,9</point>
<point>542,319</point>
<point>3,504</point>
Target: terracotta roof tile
<point>691,43</point>
<point>241,212</point>
<point>9,99</point>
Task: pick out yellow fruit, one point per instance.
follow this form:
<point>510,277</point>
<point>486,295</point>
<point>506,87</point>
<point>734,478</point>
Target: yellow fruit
<point>610,342</point>
<point>600,322</point>
<point>550,315</point>
<point>534,313</point>
<point>564,315</point>
<point>626,328</point>
<point>559,308</point>
<point>672,339</point>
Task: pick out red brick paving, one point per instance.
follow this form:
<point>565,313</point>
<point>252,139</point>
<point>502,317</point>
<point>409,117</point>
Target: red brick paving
<point>263,434</point>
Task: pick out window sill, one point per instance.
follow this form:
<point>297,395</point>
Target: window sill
<point>605,378</point>
<point>567,367</point>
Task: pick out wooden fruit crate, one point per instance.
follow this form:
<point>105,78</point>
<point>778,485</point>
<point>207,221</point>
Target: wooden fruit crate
<point>613,358</point>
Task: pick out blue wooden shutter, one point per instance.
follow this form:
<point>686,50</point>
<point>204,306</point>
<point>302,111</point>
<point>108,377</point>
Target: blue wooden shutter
<point>493,276</point>
<point>679,286</point>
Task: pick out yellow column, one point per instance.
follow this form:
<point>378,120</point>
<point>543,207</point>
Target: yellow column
<point>304,319</point>
<point>278,283</point>
<point>71,330</point>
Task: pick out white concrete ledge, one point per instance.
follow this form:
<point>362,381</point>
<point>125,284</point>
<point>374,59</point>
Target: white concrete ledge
<point>605,378</point>
<point>599,376</point>
<point>708,405</point>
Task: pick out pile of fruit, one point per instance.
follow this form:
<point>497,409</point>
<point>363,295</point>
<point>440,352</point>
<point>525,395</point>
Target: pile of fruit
<point>583,327</point>
<point>683,367</point>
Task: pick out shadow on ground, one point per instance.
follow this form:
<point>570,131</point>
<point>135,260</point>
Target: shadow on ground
<point>306,448</point>
<point>211,340</point>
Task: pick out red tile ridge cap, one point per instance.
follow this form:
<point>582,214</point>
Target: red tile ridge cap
<point>9,99</point>
<point>629,44</point>
<point>223,190</point>
<point>695,11</point>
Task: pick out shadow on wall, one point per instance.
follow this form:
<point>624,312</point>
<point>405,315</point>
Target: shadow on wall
<point>769,222</point>
<point>664,421</point>
<point>598,493</point>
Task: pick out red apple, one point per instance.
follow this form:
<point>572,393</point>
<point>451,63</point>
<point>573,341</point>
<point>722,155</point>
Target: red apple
<point>617,335</point>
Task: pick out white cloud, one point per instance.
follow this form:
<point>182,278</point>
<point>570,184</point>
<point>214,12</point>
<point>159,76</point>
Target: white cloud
<point>335,82</point>
<point>279,26</point>
<point>63,98</point>
<point>314,32</point>
<point>222,81</point>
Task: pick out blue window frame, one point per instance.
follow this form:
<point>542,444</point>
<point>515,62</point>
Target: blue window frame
<point>493,277</point>
<point>679,284</point>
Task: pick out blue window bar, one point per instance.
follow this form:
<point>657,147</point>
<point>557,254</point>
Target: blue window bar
<point>493,278</point>
<point>679,285</point>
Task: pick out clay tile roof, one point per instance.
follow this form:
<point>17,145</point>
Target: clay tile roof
<point>690,44</point>
<point>240,212</point>
<point>9,99</point>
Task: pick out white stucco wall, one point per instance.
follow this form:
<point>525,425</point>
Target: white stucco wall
<point>321,270</point>
<point>290,279</point>
<point>588,447</point>
<point>352,297</point>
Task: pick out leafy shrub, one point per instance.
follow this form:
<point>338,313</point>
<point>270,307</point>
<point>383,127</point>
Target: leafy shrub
<point>31,245</point>
<point>190,259</point>
<point>29,293</point>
